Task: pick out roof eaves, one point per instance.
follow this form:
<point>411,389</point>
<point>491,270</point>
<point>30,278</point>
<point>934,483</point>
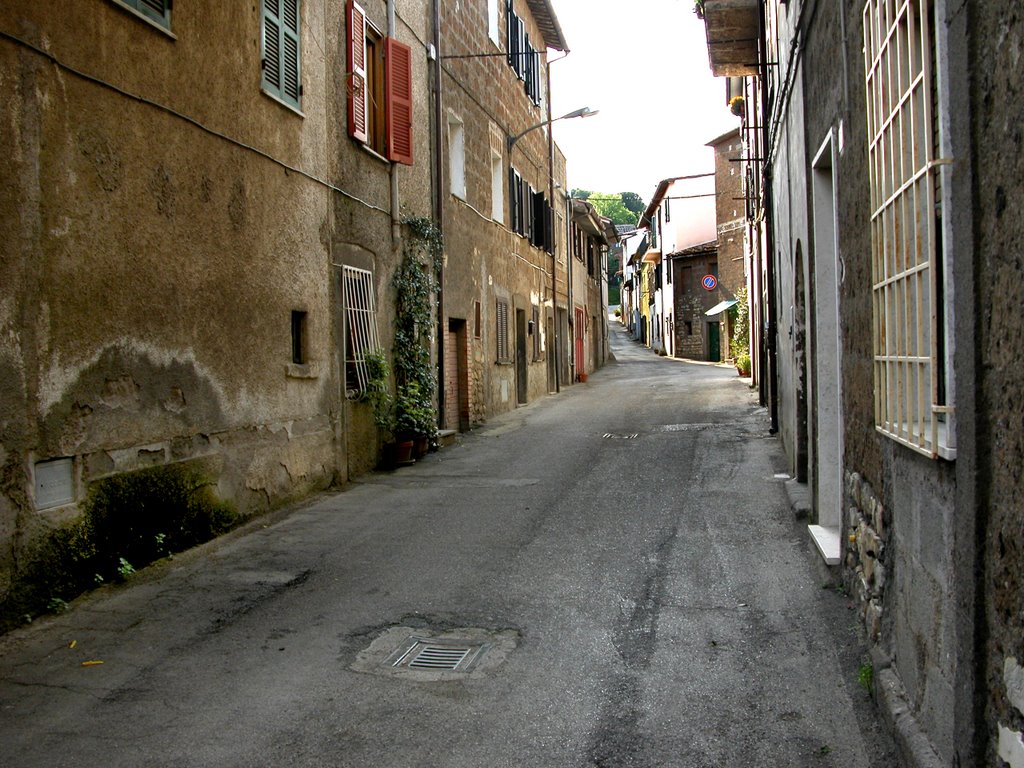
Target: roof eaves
<point>544,14</point>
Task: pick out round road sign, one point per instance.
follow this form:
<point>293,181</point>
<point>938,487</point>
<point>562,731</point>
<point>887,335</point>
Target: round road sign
<point>709,281</point>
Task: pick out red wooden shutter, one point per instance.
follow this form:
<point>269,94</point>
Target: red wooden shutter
<point>398,97</point>
<point>356,75</point>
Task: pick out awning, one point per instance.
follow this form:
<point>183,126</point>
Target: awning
<point>719,308</point>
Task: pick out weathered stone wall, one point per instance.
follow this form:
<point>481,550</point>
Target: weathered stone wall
<point>996,102</point>
<point>485,260</point>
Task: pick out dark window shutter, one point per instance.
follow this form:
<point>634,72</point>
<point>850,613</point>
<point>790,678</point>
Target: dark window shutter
<point>549,229</point>
<point>513,36</point>
<point>291,83</point>
<point>398,95</point>
<point>158,10</point>
<point>271,47</point>
<point>281,71</point>
<point>356,74</point>
<point>515,202</point>
<point>539,219</point>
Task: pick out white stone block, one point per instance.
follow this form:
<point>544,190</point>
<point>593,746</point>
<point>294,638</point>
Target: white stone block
<point>1011,747</point>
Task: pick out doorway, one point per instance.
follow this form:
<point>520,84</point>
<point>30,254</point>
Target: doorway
<point>580,319</point>
<point>456,376</point>
<point>521,369</point>
<point>714,342</point>
<point>827,366</point>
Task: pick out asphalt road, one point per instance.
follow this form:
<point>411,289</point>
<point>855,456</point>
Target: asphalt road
<point>618,565</point>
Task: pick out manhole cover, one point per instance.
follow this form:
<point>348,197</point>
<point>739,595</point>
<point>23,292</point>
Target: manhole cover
<point>420,653</point>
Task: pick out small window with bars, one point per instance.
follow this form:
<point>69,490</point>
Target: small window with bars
<point>501,347</point>
<point>913,398</point>
<point>360,327</point>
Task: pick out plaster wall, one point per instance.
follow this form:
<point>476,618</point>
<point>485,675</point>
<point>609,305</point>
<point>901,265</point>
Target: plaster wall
<point>166,222</point>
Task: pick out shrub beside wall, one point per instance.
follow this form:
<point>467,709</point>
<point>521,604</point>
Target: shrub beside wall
<point>128,521</point>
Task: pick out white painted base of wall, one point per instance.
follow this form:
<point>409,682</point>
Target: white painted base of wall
<point>827,542</point>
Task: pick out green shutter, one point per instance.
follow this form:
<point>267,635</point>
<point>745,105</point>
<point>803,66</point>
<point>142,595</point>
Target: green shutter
<point>281,55</point>
<point>157,10</point>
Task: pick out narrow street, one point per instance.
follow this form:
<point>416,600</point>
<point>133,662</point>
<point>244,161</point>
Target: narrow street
<point>618,563</point>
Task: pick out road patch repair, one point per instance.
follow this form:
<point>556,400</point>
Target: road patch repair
<point>423,656</point>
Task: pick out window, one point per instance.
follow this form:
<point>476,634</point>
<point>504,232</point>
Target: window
<point>379,89</point>
<point>281,74</point>
<point>477,323</point>
<point>158,11</point>
<point>457,156</point>
<point>493,27</point>
<point>497,188</point>
<point>912,397</point>
<point>524,60</point>
<point>501,344</point>
<point>542,223</point>
<point>517,216</point>
<point>360,326</point>
<point>538,348</point>
<point>299,352</point>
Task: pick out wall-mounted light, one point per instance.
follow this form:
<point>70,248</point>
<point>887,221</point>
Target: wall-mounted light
<point>582,112</point>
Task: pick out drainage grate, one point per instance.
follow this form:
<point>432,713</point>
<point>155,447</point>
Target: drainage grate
<point>610,436</point>
<point>695,427</point>
<point>436,656</point>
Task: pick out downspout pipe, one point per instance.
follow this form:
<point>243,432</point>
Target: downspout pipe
<point>554,248</point>
<point>437,182</point>
<point>396,207</point>
<point>772,321</point>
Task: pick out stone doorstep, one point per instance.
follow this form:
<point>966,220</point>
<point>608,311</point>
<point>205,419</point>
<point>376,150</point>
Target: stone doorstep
<point>828,543</point>
<point>446,437</point>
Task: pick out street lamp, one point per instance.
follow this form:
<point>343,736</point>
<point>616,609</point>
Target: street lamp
<point>510,142</point>
<point>582,112</point>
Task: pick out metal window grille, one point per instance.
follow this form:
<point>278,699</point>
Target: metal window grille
<point>360,326</point>
<point>905,243</point>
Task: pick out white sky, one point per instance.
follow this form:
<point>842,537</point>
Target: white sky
<point>644,65</point>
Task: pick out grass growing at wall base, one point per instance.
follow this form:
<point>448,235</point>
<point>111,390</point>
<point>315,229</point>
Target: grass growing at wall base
<point>127,521</point>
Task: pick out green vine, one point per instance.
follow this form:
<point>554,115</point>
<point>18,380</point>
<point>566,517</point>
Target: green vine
<point>416,285</point>
<point>739,345</point>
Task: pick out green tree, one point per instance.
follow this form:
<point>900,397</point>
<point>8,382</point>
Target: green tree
<point>634,203</point>
<point>622,208</point>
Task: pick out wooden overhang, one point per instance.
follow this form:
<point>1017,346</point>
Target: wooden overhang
<point>544,14</point>
<point>733,29</point>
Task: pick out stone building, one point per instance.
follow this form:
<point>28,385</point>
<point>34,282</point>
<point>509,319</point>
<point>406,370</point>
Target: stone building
<point>505,301</point>
<point>894,272</point>
<point>697,336</point>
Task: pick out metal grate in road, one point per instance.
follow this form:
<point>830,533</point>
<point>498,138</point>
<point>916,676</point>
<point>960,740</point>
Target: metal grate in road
<point>695,427</point>
<point>437,656</point>
<point>612,436</point>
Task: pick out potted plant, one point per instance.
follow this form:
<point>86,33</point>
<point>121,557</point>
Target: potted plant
<point>415,417</point>
<point>737,106</point>
<point>378,395</point>
<point>743,365</point>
